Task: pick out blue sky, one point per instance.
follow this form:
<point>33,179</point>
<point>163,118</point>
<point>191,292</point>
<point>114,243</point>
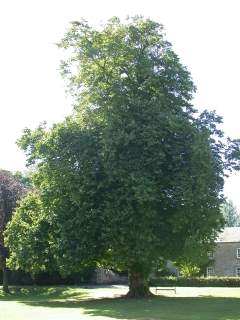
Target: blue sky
<point>205,35</point>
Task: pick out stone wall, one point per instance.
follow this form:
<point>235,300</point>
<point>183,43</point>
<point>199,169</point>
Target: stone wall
<point>225,261</point>
<point>106,276</point>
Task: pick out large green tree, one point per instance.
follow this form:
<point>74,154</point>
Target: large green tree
<point>11,190</point>
<point>135,173</point>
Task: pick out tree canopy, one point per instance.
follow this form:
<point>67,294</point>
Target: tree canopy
<point>135,173</point>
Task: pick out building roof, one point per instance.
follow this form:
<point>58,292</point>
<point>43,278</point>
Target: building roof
<point>229,235</point>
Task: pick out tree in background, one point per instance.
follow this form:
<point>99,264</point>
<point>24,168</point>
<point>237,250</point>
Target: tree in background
<point>230,214</point>
<point>11,190</point>
<point>24,178</point>
<point>135,173</point>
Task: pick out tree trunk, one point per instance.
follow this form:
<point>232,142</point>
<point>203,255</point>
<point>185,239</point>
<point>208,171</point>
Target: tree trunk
<point>5,276</point>
<point>138,281</point>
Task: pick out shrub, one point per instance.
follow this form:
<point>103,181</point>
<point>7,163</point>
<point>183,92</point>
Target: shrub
<point>189,270</point>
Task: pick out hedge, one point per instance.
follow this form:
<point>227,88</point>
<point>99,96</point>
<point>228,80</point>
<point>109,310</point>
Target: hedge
<point>196,282</point>
<point>44,278</point>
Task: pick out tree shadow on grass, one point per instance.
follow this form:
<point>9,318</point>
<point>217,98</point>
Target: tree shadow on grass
<point>30,294</point>
<point>164,308</point>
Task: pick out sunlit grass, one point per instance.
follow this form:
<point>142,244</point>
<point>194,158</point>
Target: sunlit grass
<point>72,303</point>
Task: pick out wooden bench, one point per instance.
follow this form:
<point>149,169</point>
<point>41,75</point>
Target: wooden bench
<point>165,288</point>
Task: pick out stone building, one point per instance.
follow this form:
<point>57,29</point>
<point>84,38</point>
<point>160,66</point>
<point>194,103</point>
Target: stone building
<point>226,256</point>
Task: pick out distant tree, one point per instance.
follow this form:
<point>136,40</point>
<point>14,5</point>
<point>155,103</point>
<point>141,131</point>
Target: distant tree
<point>24,178</point>
<point>135,173</point>
<point>11,190</point>
<point>230,214</point>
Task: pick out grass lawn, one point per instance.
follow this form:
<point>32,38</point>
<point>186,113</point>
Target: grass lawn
<point>102,303</point>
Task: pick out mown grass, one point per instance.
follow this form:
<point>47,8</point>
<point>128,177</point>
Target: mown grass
<point>71,303</point>
<point>37,294</point>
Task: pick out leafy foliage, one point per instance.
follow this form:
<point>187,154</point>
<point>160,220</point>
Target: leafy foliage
<point>11,189</point>
<point>10,192</point>
<point>189,270</point>
<point>134,174</point>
